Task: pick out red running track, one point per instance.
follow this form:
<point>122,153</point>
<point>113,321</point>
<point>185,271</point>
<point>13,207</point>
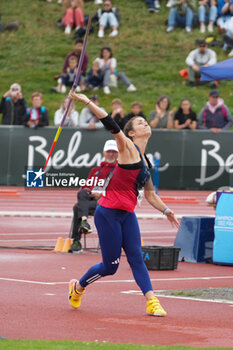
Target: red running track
<point>43,231</point>
<point>34,303</point>
<point>34,283</point>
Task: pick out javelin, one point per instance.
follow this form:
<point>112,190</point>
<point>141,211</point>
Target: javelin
<point>75,84</point>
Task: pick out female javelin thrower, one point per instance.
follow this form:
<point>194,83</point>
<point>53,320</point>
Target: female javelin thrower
<point>115,219</point>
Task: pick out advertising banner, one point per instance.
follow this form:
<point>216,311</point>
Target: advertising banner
<point>188,159</point>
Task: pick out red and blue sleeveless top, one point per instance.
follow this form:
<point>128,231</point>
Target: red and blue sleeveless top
<point>122,189</point>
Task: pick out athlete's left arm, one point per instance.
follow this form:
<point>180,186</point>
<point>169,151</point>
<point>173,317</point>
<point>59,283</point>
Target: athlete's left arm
<point>157,203</point>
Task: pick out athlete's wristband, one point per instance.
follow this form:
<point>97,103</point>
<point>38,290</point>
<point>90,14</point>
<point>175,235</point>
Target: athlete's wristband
<point>110,124</point>
<point>164,210</point>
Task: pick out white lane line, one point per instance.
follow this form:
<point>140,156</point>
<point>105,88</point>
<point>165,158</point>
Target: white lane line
<point>27,240</point>
<point>49,294</point>
<point>221,301</point>
<point>31,282</point>
<point>157,237</point>
<point>158,231</point>
<point>70,214</point>
<point>172,279</point>
<point>32,233</point>
<point>64,233</point>
<point>120,281</point>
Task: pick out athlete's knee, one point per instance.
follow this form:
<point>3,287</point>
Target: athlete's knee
<point>135,259</point>
<point>111,269</point>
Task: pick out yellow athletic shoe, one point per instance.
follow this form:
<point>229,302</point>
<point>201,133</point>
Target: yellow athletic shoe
<point>74,295</point>
<point>154,308</point>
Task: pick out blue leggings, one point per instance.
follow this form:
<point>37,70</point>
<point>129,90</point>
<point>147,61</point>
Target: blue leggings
<point>116,229</point>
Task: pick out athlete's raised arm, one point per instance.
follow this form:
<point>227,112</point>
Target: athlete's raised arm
<point>109,123</point>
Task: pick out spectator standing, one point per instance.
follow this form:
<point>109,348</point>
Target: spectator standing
<point>37,115</point>
<point>87,119</point>
<point>88,195</point>
<point>207,14</point>
<point>118,113</point>
<point>185,117</point>
<point>181,13</point>
<point>108,65</point>
<point>73,15</point>
<point>13,106</point>
<point>77,52</point>
<point>72,115</point>
<point>215,116</point>
<point>160,117</point>
<point>200,57</point>
<point>108,16</point>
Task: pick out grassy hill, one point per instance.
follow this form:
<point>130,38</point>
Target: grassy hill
<point>152,59</point>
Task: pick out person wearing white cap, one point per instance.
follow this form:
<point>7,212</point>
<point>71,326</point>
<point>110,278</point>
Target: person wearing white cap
<point>88,195</point>
<point>13,106</point>
<point>110,145</point>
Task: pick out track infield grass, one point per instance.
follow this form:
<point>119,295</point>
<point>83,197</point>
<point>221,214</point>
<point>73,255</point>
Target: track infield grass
<point>6,344</point>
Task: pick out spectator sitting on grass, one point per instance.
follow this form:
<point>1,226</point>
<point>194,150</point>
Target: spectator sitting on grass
<point>225,12</point>
<point>58,1</point>
<point>200,57</point>
<point>94,78</point>
<point>181,14</point>
<point>153,6</point>
<point>72,115</point>
<point>228,38</point>
<point>68,77</point>
<point>73,15</point>
<point>77,52</point>
<point>13,106</point>
<point>108,16</point>
<point>108,65</point>
<point>207,14</point>
<point>37,115</point>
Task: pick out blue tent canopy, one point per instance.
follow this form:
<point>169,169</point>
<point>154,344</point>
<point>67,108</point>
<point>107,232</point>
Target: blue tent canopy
<point>219,71</point>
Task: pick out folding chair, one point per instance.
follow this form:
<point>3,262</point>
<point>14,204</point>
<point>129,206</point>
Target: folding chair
<point>85,247</point>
